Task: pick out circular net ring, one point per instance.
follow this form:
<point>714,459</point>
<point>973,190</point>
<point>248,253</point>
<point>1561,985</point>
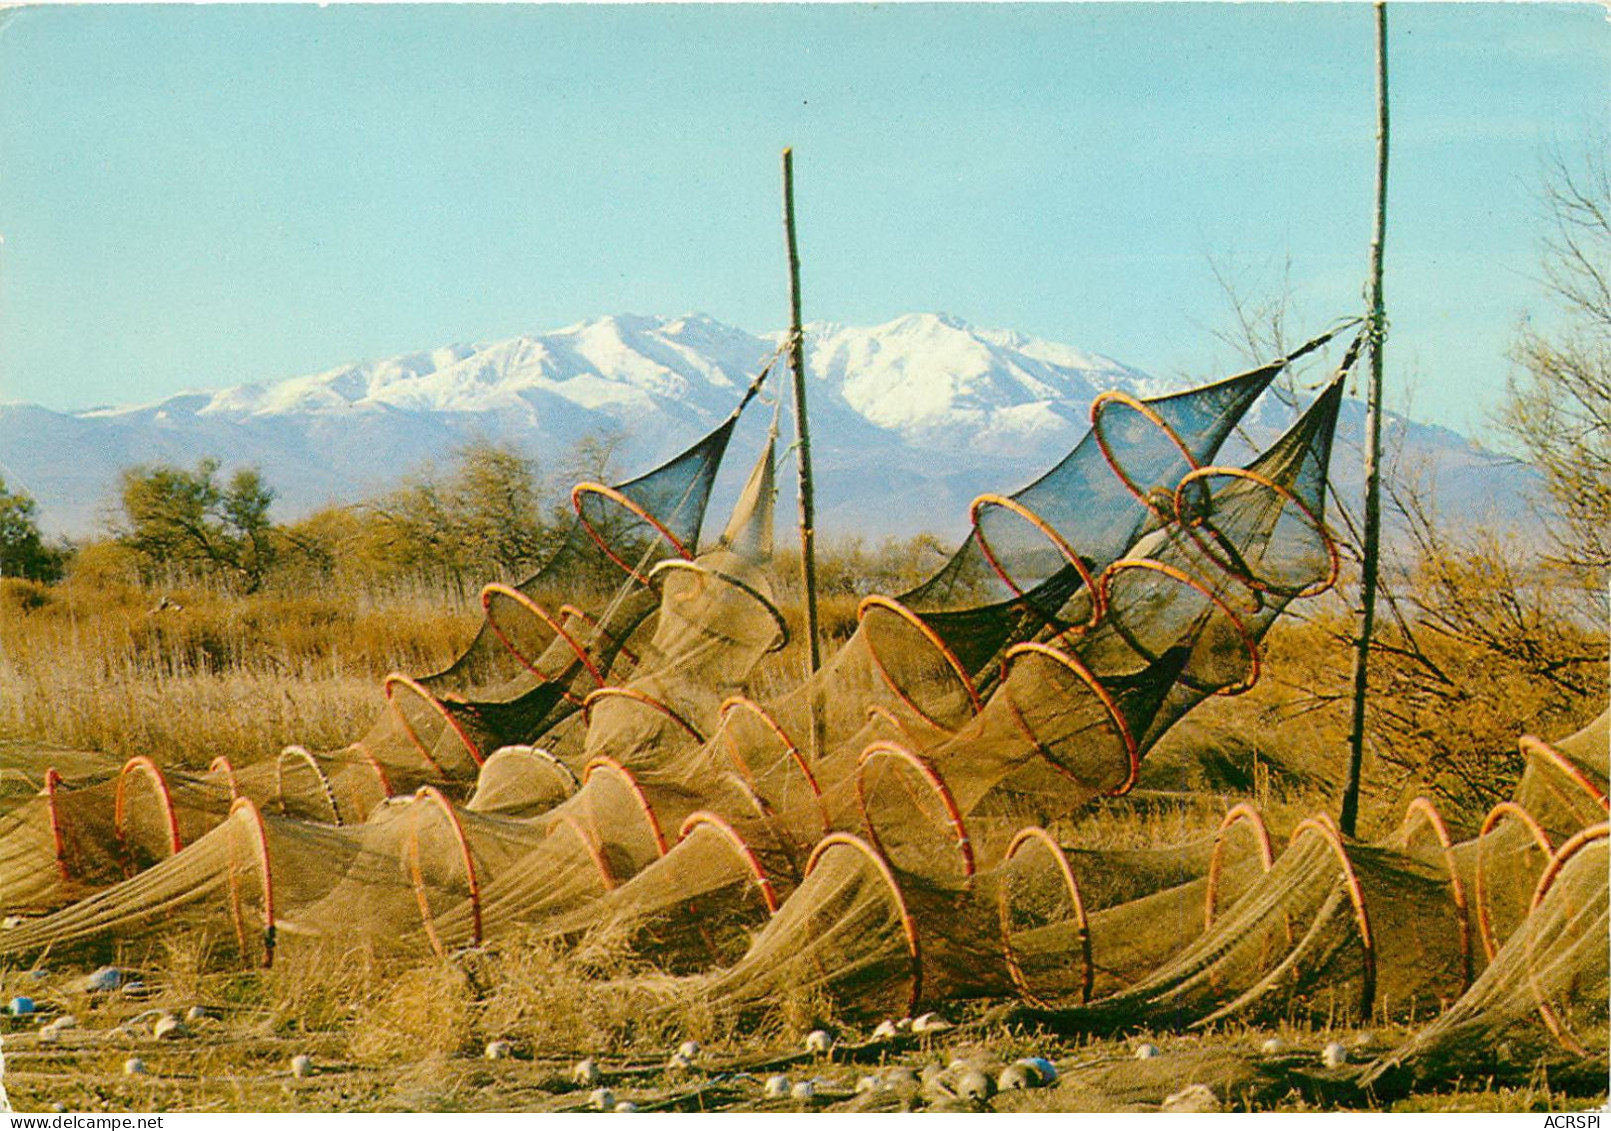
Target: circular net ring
<point>670,565</point>
<point>913,768</point>
<point>877,604</point>
<point>763,882</point>
<point>397,680</point>
<point>1483,892</point>
<point>1239,814</point>
<point>1323,827</point>
<point>1028,838</point>
<point>1421,811</point>
<point>1552,1020</point>
<point>144,766</point>
<point>430,796</point>
<point>1220,550</point>
<point>1151,654</point>
<point>1537,747</point>
<point>556,625</point>
<point>222,767</point>
<point>582,490</point>
<point>849,842</point>
<point>307,758</point>
<point>634,695</point>
<point>1045,529</point>
<point>790,751</point>
<point>603,763</point>
<point>1032,652</point>
<point>1104,404</point>
<point>244,813</point>
<point>58,833</point>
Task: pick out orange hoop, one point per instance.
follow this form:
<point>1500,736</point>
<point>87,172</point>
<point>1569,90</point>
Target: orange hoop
<point>890,605</point>
<point>398,679</point>
<point>260,843</point>
<point>1236,567</point>
<point>1113,396</point>
<point>1059,543</point>
<point>572,825</point>
<point>58,837</point>
<point>630,780</point>
<point>1014,967</point>
<point>1240,813</point>
<point>119,803</point>
<point>222,765</point>
<point>318,774</point>
<point>646,700</point>
<point>556,623</point>
<point>1250,644</point>
<point>745,853</point>
<point>1322,826</point>
<point>618,498</point>
<point>908,927</point>
<point>1552,1020</point>
<point>1423,808</point>
<point>744,587</point>
<point>1485,927</point>
<point>1115,716</point>
<point>1531,745</point>
<point>417,873</point>
<point>733,702</point>
<point>931,778</point>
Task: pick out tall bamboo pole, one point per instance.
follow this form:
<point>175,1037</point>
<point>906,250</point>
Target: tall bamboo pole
<point>802,430</point>
<point>1349,818</point>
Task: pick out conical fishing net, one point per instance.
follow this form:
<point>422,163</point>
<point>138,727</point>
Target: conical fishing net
<point>1541,1002</point>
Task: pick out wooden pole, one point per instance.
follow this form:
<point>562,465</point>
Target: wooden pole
<point>1349,818</point>
<point>802,430</point>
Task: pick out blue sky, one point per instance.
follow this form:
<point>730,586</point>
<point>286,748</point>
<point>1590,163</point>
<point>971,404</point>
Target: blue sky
<point>200,196</point>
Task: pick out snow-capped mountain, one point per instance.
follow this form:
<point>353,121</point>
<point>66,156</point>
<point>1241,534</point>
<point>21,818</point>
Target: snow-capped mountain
<point>910,419</point>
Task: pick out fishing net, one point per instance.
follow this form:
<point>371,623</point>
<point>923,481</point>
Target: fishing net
<point>1336,930</point>
<point>694,909</point>
<point>1541,1002</point>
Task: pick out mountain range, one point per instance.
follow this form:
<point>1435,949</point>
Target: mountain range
<point>910,420</point>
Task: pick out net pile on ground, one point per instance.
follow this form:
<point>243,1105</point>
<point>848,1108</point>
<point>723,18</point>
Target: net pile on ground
<point>1541,1004</point>
<point>436,731</point>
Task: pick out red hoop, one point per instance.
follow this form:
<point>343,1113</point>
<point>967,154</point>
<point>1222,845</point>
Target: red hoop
<point>1014,967</point>
<point>931,778</point>
<point>1121,728</point>
<point>617,497</point>
<point>1423,808</point>
<point>1249,643</point>
<point>164,795</point>
<point>744,587</point>
<point>1193,530</point>
<point>606,874</point>
<point>646,700</point>
<point>222,765</point>
<point>58,836</point>
<point>555,623</point>
<point>1322,826</point>
<point>260,843</point>
<point>790,749</point>
<point>417,874</point>
<point>1485,927</point>
<point>900,611</point>
<point>630,780</point>
<point>908,927</point>
<point>1240,813</point>
<point>398,679</point>
<point>763,882</point>
<point>1571,848</point>
<point>1100,406</point>
<point>1059,543</point>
